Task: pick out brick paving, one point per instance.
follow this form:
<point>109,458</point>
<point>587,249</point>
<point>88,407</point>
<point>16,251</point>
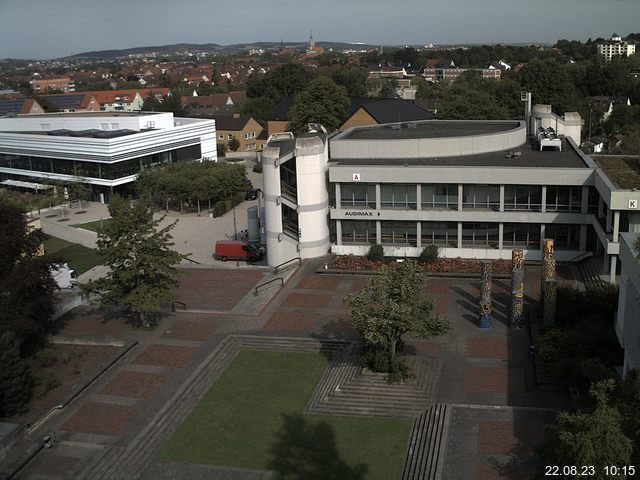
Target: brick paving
<point>165,355</point>
<point>190,330</point>
<point>475,367</point>
<point>129,383</point>
<point>306,300</point>
<point>291,322</point>
<point>100,418</point>
<point>215,289</point>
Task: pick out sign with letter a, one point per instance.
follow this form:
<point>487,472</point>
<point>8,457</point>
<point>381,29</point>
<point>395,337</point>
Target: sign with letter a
<point>356,177</point>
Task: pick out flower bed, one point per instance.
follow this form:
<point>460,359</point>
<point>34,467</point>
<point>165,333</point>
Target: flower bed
<point>443,265</point>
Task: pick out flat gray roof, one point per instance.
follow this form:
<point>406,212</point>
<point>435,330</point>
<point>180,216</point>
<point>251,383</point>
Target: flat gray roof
<point>89,114</point>
<point>429,129</point>
<point>529,157</point>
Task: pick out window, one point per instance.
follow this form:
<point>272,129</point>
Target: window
<point>522,198</point>
<point>104,126</point>
<point>486,197</point>
<point>398,196</point>
<point>45,126</point>
<point>480,235</point>
<point>229,137</point>
<point>565,237</point>
<point>523,235</point>
<point>440,196</point>
<point>220,137</point>
<point>358,232</point>
<point>443,234</point>
<point>398,233</point>
<point>564,199</point>
<point>115,126</point>
<point>357,195</point>
<point>290,222</point>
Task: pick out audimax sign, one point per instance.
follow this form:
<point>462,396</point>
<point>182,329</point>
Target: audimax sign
<point>361,213</point>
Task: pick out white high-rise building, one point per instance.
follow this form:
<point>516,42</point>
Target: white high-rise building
<point>614,47</point>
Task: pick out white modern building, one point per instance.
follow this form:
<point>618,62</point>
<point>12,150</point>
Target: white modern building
<point>615,47</point>
<point>628,317</point>
<point>477,189</point>
<point>107,149</point>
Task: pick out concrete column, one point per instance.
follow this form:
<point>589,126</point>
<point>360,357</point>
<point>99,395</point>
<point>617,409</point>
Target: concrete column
<point>612,271</point>
<point>419,198</point>
<point>616,225</point>
<point>584,207</point>
<point>378,232</point>
<point>419,234</point>
<point>378,200</point>
<point>338,197</point>
<point>502,198</point>
<point>459,234</point>
<point>583,238</point>
<point>460,194</point>
<point>339,232</point>
<point>543,207</point>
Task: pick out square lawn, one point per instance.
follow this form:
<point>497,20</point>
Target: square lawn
<point>253,417</point>
<point>79,257</point>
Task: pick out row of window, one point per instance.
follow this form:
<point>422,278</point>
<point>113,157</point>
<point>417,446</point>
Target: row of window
<point>445,234</point>
<point>107,171</point>
<point>445,196</point>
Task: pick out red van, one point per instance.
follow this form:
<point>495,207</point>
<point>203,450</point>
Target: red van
<point>236,250</point>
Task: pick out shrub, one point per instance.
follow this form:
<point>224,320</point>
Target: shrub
<point>429,254</point>
<point>376,253</point>
<point>46,357</point>
<point>15,377</point>
<point>257,168</point>
<point>49,381</point>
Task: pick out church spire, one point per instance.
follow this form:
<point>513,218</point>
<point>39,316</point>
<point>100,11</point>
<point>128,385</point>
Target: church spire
<point>312,43</point>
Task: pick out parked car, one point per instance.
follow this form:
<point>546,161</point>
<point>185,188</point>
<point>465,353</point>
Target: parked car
<point>252,194</point>
<point>236,250</point>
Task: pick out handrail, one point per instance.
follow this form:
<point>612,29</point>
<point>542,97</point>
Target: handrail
<point>173,305</point>
<point>255,290</point>
<point>298,259</point>
<point>193,261</point>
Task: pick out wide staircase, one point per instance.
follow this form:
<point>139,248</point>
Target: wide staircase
<point>425,456</point>
<point>590,271</point>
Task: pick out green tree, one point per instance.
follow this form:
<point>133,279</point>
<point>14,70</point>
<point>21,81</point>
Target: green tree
<point>15,377</point>
<point>259,108</point>
<point>392,305</point>
<point>79,188</point>
<point>388,88</point>
<point>353,78</point>
<point>286,80</point>
<point>26,284</point>
<point>591,438</point>
<point>321,102</point>
<point>550,84</point>
<point>140,259</point>
<point>234,144</point>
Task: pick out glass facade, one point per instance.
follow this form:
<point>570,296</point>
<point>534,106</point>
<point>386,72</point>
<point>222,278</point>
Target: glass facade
<point>485,197</point>
<point>398,195</point>
<point>523,198</point>
<point>521,235</point>
<point>565,237</point>
<point>480,235</point>
<point>358,195</point>
<point>564,199</point>
<point>103,170</point>
<point>290,222</point>
<point>358,232</point>
<point>439,196</point>
<point>443,234</point>
<point>399,233</point>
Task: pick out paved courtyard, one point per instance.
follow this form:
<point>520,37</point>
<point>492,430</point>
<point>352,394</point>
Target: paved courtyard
<point>486,377</point>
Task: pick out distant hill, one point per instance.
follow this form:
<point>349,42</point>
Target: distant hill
<point>210,47</point>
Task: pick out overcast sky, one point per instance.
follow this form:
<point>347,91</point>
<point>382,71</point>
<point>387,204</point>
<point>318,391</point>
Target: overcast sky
<point>54,28</point>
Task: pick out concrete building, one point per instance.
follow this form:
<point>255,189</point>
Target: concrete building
<point>107,150</point>
<point>615,47</point>
<point>477,189</point>
<point>42,85</point>
<point>628,317</point>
